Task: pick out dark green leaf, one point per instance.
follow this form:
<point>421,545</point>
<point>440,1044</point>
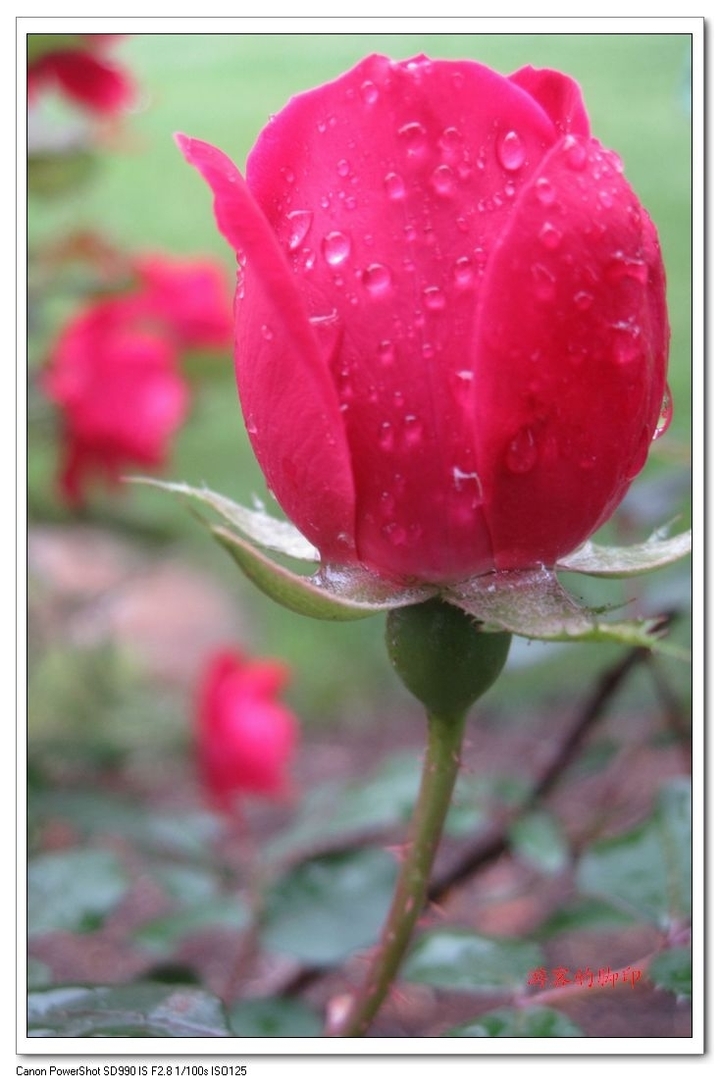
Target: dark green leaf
<point>274,1018</point>
<point>73,890</point>
<point>185,834</point>
<point>672,970</point>
<point>646,871</point>
<point>162,935</point>
<point>141,1010</point>
<point>327,908</point>
<point>456,959</point>
<point>583,914</point>
<point>528,1023</point>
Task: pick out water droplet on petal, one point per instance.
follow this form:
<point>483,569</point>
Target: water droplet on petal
<point>369,92</point>
<point>511,151</point>
<point>386,352</point>
<point>544,286</point>
<point>622,267</point>
<point>343,168</point>
<point>451,143</point>
<point>433,298</point>
<point>414,139</point>
<point>412,432</point>
<point>522,453</point>
<point>463,272</point>
<point>575,153</point>
<point>385,435</point>
<point>335,247</point>
<point>545,192</point>
<point>626,344</point>
<point>666,414</point>
<point>443,181</point>
<point>394,186</point>
<point>267,332</point>
<point>395,533</point>
<point>377,279</point>
<point>300,222</point>
<point>583,300</point>
<point>550,236</point>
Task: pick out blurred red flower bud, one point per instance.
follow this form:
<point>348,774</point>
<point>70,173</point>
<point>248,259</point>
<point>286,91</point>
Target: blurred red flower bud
<point>451,324</point>
<point>114,370</point>
<point>246,736</point>
<point>81,71</point>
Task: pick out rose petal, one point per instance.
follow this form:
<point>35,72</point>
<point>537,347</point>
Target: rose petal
<point>559,96</point>
<point>570,348</point>
<point>290,406</point>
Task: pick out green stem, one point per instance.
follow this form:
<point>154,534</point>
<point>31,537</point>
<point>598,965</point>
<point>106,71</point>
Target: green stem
<point>442,760</point>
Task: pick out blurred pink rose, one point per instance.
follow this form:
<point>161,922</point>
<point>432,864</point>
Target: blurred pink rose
<point>245,735</point>
<point>114,371</point>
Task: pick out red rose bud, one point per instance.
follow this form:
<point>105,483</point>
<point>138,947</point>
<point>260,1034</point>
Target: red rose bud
<point>83,73</point>
<point>451,329</point>
<point>246,736</point>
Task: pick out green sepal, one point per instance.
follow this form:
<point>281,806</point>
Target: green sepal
<point>535,605</point>
<point>443,657</point>
<point>261,528</point>
<point>633,559</point>
<point>308,596</point>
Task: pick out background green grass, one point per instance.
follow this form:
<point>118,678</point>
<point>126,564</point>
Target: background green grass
<point>222,88</point>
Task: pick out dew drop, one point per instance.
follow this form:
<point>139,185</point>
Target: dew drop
<point>522,453</point>
<point>377,279</point>
<point>412,432</point>
<point>335,247</point>
<point>267,332</point>
<point>545,192</point>
<point>385,435</point>
<point>511,151</point>
<point>462,224</point>
<point>394,187</point>
<point>300,222</point>
<point>343,168</point>
<point>387,504</point>
<point>666,414</point>
<point>583,300</point>
<point>451,144</point>
<point>550,236</point>
<point>395,533</point>
<point>386,352</point>
<point>626,344</point>
<point>463,274</point>
<point>605,199</point>
<point>414,139</point>
<point>622,267</point>
<point>575,153</point>
<point>433,298</point>
<point>443,180</point>
<point>544,286</point>
<point>369,92</point>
